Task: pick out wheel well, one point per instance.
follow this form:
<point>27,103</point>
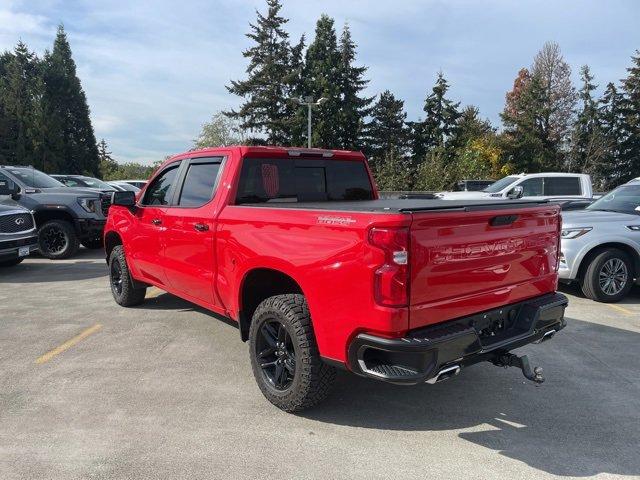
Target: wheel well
<point>258,285</point>
<point>605,246</point>
<point>111,240</point>
<point>44,216</point>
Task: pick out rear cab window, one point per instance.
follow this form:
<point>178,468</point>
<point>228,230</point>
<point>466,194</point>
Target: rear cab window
<point>302,180</point>
<point>562,186</point>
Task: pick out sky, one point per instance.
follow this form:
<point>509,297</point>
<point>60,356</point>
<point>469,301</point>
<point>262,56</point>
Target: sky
<point>155,70</point>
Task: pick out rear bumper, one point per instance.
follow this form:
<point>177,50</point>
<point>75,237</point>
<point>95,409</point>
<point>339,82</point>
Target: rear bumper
<point>423,353</point>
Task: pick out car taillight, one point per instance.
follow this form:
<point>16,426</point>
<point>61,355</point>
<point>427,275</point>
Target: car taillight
<point>391,280</point>
<point>559,244</point>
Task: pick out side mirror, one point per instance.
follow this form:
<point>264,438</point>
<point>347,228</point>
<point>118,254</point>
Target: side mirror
<point>124,199</point>
<point>515,192</point>
<point>7,187</point>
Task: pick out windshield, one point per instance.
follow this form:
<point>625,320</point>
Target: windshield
<point>127,186</point>
<point>624,199</point>
<point>500,184</point>
<point>95,183</point>
<point>33,178</point>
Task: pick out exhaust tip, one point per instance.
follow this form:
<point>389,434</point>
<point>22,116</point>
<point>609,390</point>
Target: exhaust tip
<point>445,374</point>
<point>547,336</point>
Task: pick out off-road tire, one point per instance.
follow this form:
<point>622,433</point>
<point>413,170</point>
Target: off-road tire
<point>94,244</point>
<point>312,378</point>
<point>11,263</point>
<point>127,294</point>
<point>590,281</point>
<point>67,235</point>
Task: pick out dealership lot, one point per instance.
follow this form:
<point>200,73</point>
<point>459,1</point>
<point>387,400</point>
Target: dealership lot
<point>92,390</point>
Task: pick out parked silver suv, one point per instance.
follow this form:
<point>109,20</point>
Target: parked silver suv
<point>601,244</point>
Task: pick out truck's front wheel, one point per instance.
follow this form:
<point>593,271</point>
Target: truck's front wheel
<point>124,291</point>
<point>284,354</point>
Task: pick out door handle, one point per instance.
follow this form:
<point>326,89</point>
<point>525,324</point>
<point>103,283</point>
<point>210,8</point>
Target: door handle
<point>201,227</point>
<point>156,221</point>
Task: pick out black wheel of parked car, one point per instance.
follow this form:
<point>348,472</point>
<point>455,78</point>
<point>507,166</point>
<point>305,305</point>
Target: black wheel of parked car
<point>11,263</point>
<point>57,240</point>
<point>609,276</point>
<point>284,354</point>
<point>124,291</point>
<point>94,244</point>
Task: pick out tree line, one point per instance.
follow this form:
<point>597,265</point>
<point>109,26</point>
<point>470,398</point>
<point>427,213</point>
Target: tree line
<point>547,124</point>
<point>44,116</point>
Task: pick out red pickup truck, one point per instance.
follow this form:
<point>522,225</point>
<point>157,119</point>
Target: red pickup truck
<point>295,246</point>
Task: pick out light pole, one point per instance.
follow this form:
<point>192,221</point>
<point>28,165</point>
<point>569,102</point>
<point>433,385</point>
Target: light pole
<point>308,101</point>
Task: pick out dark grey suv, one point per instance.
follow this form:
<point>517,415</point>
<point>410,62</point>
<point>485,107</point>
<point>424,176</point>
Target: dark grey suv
<point>65,217</point>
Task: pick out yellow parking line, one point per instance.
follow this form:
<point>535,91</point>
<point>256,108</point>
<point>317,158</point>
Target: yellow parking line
<point>620,309</point>
<point>68,344</point>
<point>154,292</point>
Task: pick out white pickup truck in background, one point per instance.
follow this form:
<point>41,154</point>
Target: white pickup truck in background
<point>551,186</point>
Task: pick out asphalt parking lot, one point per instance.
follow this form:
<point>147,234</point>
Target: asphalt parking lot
<point>92,390</point>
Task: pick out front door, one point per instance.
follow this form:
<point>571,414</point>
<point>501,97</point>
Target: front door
<point>148,241</point>
<point>190,223</point>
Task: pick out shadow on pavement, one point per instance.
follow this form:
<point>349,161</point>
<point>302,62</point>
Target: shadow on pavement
<point>583,421</point>
<point>85,265</point>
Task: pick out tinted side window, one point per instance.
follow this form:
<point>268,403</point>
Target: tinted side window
<point>158,191</point>
<point>199,184</point>
<point>562,186</point>
<point>532,187</point>
<point>289,180</point>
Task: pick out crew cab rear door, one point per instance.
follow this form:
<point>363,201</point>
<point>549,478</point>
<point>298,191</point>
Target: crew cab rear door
<point>189,235</point>
<point>467,260</point>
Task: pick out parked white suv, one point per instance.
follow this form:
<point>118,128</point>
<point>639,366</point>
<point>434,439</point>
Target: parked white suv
<point>552,186</point>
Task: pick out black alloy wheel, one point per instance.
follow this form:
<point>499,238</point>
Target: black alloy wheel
<point>276,354</point>
<point>53,239</point>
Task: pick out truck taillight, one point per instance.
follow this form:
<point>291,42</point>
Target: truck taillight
<point>391,280</point>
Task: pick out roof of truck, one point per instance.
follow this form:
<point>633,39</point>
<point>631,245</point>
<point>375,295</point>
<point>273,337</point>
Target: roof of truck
<point>265,151</point>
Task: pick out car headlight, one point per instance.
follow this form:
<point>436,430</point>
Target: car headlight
<point>571,233</point>
<point>91,205</point>
<point>635,228</point>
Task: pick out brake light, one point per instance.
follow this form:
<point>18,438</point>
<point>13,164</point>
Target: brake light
<point>391,280</point>
<point>559,243</point>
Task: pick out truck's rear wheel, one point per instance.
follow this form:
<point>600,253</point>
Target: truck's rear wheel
<point>284,355</point>
<point>608,277</point>
<point>123,289</point>
<point>57,240</point>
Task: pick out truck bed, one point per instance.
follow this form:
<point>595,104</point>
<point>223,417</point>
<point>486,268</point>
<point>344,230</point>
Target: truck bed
<point>401,205</point>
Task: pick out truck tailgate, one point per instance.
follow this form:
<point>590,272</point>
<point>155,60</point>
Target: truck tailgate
<point>467,261</point>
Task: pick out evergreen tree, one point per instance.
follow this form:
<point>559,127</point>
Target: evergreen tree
<point>269,80</point>
<point>441,114</point>
<point>470,126</point>
<point>108,166</point>
<point>355,108</point>
<point>608,172</point>
<point>438,126</point>
<point>323,80</point>
<point>630,155</point>
<point>69,140</point>
<point>19,109</point>
<point>297,116</point>
<point>386,133</point>
<point>587,145</point>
